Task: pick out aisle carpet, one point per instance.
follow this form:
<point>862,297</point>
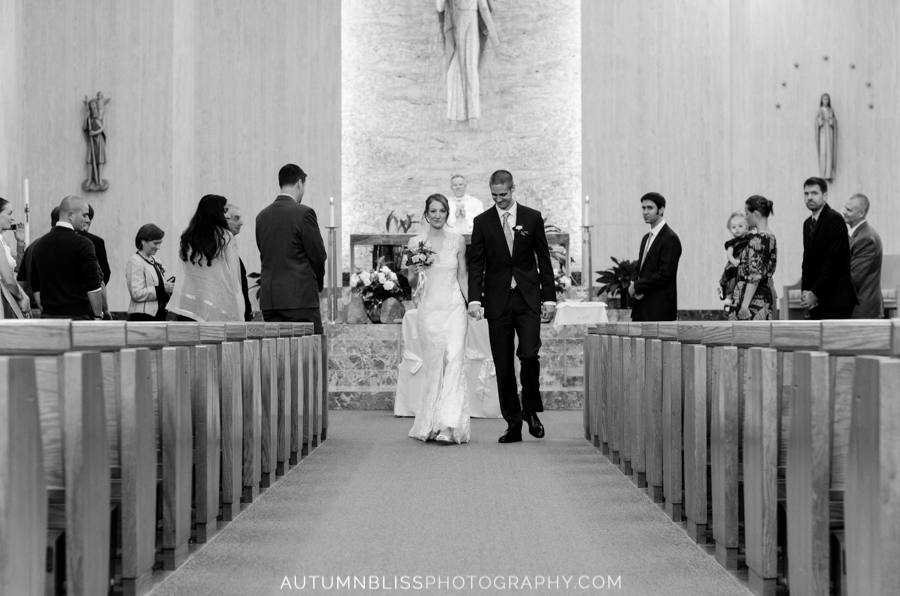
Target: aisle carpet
<point>372,507</point>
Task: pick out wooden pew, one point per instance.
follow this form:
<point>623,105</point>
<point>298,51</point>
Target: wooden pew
<point>695,376</point>
<point>616,394</point>
<point>269,385</point>
<point>232,414</point>
<point>23,493</point>
<point>323,376</point>
<point>589,421</point>
<point>651,417</point>
<point>759,383</point>
<point>632,388</point>
<point>672,416</point>
<point>634,392</point>
<point>819,443</point>
<point>724,432</point>
<point>603,411</point>
<point>872,505</point>
<point>299,399</point>
<point>319,384</point>
<point>285,396</point>
<point>252,406</point>
<point>74,445</point>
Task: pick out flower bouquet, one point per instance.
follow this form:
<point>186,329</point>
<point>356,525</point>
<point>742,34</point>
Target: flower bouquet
<point>422,254</point>
<point>564,285</point>
<point>375,286</point>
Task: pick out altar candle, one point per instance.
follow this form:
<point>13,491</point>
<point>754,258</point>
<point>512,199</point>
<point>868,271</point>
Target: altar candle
<point>27,224</point>
<point>587,204</point>
<point>331,209</point>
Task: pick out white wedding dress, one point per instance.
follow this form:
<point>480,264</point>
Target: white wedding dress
<point>442,323</point>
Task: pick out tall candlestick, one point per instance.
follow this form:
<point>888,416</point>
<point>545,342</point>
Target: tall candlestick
<point>587,203</point>
<point>27,222</point>
<point>331,209</point>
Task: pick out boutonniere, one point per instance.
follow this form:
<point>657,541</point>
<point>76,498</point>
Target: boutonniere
<point>519,231</point>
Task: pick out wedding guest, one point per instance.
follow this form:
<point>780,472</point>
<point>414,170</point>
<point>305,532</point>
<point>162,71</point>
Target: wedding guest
<point>13,293</point>
<point>64,272</point>
<point>292,254</point>
<point>656,291</point>
<point>235,223</point>
<point>99,245</point>
<point>826,286</point>
<point>23,274</point>
<point>865,259</point>
<point>753,298</point>
<point>463,206</point>
<point>207,287</point>
<point>146,277</point>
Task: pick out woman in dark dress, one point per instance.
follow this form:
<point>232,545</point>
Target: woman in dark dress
<point>753,295</point>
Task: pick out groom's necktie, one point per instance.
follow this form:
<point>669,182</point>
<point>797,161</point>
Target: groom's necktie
<point>509,241</point>
<point>507,232</point>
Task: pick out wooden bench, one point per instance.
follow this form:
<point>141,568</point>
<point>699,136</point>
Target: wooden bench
<point>106,397</point>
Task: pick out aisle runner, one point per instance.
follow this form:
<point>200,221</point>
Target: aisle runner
<point>371,507</point>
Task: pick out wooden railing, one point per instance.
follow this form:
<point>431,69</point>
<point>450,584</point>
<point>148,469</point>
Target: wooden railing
<point>98,420</point>
<point>778,441</point>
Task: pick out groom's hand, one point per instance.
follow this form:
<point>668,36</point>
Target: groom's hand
<point>475,311</point>
<point>547,311</point>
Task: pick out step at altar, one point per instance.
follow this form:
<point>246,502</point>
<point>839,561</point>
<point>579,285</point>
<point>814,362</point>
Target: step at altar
<point>363,361</point>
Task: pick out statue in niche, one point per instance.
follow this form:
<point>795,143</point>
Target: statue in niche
<point>95,136</point>
<point>826,137</point>
<point>466,25</point>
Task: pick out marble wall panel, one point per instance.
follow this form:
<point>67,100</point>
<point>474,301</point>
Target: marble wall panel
<point>399,147</point>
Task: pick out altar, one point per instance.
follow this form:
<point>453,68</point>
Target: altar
<point>398,241</point>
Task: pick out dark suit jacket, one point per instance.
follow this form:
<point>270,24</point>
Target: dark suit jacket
<point>492,268</point>
<point>100,249</point>
<point>657,278</point>
<point>865,272</point>
<point>292,256</point>
<point>826,261</point>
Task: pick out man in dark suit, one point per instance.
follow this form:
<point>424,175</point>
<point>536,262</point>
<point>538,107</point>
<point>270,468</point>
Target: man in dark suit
<point>655,291</point>
<point>235,223</point>
<point>23,276</point>
<point>64,273</point>
<point>826,287</point>
<point>865,259</point>
<point>511,274</point>
<point>292,254</point>
<point>102,259</point>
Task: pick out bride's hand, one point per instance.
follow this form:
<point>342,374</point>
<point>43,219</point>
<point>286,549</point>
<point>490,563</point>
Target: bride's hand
<point>418,268</point>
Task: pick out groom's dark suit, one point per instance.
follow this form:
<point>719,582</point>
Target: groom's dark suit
<point>657,278</point>
<point>517,311</point>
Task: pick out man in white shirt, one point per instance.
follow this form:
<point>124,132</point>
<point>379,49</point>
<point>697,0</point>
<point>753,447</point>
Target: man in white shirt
<point>463,207</point>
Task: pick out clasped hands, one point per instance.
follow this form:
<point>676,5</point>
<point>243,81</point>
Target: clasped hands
<point>477,312</point>
<point>808,299</point>
<point>632,294</point>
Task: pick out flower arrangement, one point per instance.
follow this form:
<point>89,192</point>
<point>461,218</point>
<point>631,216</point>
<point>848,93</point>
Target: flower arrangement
<point>376,285</point>
<point>563,281</point>
<point>423,254</point>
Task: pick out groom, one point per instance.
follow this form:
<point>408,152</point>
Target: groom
<point>510,272</point>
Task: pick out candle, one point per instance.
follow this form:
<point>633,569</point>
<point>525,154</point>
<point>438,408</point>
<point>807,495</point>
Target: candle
<point>331,209</point>
<point>27,224</point>
<point>587,204</point>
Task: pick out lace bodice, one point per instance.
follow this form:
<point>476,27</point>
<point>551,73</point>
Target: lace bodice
<point>442,274</point>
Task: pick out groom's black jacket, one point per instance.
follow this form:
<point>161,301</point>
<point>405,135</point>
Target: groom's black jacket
<point>491,267</point>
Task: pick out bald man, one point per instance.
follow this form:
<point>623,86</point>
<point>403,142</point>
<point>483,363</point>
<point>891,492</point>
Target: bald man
<point>65,275</point>
<point>235,223</point>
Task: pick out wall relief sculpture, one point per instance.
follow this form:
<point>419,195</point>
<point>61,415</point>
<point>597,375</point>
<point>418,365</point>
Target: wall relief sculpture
<point>95,137</point>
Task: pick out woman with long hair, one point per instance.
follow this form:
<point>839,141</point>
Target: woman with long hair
<point>14,297</point>
<point>208,287</point>
<point>754,298</point>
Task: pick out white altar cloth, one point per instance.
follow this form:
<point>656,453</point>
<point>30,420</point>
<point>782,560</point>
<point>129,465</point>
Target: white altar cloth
<point>579,313</point>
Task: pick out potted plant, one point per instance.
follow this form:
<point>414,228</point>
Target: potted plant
<point>617,278</point>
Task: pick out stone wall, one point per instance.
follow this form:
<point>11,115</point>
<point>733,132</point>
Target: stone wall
<point>399,146</point>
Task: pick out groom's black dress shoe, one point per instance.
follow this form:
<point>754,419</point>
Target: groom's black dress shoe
<point>535,428</point>
<point>511,436</point>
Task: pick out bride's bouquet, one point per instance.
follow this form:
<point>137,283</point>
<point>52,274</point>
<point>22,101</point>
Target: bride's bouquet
<point>422,254</point>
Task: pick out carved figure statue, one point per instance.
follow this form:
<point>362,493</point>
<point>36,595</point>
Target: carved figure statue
<point>95,136</point>
<point>826,138</point>
<point>466,25</point>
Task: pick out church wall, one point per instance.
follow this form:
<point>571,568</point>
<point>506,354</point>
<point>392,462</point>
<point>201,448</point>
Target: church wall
<point>688,93</point>
<point>207,97</point>
<point>398,145</point>
<point>11,106</point>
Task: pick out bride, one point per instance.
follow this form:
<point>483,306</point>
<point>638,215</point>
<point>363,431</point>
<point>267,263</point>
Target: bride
<point>443,414</point>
